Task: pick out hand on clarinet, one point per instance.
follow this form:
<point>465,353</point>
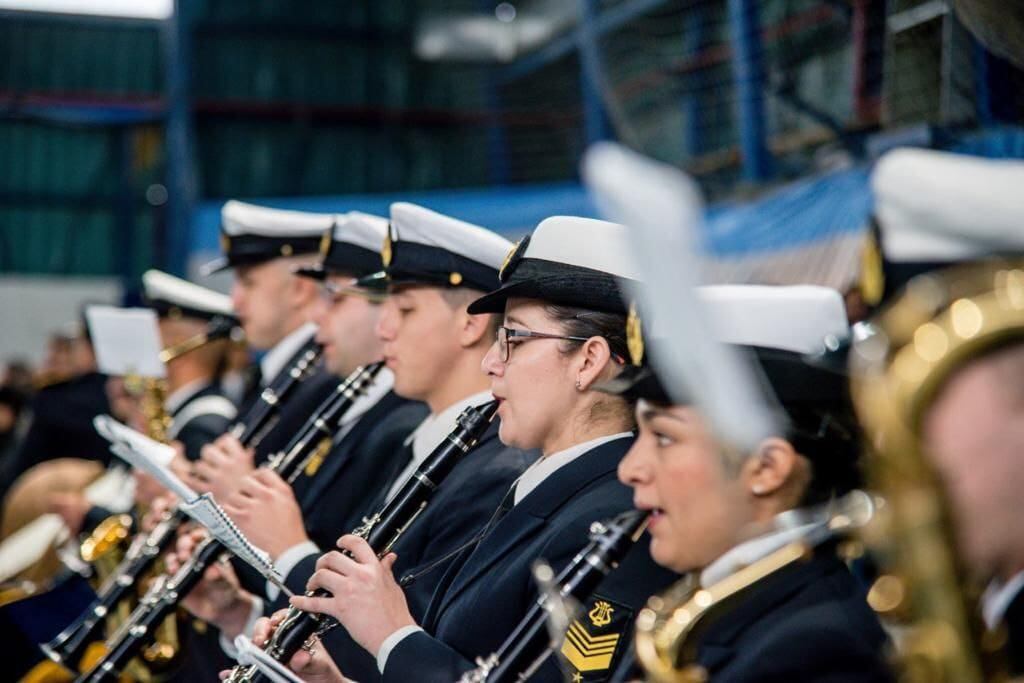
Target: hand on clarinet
<point>265,509</point>
<point>365,597</point>
<point>314,665</point>
<point>222,465</point>
<point>218,598</point>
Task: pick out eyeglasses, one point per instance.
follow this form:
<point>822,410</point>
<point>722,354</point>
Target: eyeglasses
<point>505,334</point>
<point>334,292</point>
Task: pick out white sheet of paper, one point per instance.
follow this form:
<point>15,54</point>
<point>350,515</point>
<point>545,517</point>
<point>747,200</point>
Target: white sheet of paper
<point>143,453</point>
<point>205,510</point>
<point>126,340</point>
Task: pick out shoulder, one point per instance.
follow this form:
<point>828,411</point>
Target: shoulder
<point>824,629</point>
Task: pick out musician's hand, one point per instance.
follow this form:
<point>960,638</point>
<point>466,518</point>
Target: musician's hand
<point>222,465</point>
<point>218,598</point>
<point>158,507</point>
<point>72,508</point>
<point>266,511</point>
<point>366,599</point>
<point>316,666</point>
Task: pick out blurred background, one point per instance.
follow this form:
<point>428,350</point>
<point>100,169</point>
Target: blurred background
<point>125,124</point>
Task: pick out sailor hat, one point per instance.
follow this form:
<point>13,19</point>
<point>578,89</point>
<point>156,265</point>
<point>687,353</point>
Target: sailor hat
<point>787,328</point>
<point>426,247</point>
<point>783,329</point>
<point>934,209</point>
<point>569,261</point>
<point>352,246</point>
<point>251,234</point>
<point>172,297</point>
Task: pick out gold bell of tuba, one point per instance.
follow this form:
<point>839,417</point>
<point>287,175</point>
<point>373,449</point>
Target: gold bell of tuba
<point>902,359</point>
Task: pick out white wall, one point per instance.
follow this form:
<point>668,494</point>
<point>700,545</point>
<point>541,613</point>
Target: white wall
<point>33,307</point>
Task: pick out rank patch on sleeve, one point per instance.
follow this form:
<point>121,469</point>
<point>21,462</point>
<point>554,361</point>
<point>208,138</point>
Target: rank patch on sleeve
<point>595,638</point>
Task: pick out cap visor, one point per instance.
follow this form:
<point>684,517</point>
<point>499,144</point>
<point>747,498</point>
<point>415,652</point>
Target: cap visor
<point>215,266</point>
<point>375,282</point>
<point>494,302</point>
<point>313,272</point>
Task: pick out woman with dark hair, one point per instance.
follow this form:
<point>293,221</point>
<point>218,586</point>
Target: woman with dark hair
<point>563,335</point>
<point>716,510</point>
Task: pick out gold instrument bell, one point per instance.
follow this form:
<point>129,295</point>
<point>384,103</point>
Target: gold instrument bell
<point>941,321</point>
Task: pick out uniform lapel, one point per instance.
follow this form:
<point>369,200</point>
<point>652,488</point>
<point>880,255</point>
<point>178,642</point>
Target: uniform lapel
<point>343,452</point>
<point>530,516</point>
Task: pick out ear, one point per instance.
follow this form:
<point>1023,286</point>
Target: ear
<point>305,291</point>
<point>473,329</point>
<point>770,468</point>
<point>592,359</point>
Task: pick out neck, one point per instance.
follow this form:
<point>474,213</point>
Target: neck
<point>463,380</point>
<point>580,428</point>
<point>180,374</point>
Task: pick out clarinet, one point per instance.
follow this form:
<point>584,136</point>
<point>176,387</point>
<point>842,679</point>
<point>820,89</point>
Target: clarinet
<point>262,416</point>
<point>69,646</point>
<point>530,643</point>
<point>380,531</point>
<point>166,592</point>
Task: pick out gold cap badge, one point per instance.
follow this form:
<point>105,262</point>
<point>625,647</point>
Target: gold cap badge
<point>286,250</point>
<point>225,243</point>
<point>508,260</point>
<point>634,336</point>
<point>872,274</point>
<point>325,242</point>
<point>455,279</point>
<point>385,250</point>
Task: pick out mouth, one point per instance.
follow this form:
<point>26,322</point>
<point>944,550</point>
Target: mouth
<point>655,514</point>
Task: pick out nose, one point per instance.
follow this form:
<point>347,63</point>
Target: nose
<point>319,312</point>
<point>386,322</point>
<point>632,471</point>
<point>237,298</point>
<point>491,364</point>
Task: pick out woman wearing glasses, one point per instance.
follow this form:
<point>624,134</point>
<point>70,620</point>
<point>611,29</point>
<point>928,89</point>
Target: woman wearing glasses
<point>564,334</point>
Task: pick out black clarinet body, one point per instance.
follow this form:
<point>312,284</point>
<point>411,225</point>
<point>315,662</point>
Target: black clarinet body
<point>321,426</point>
<point>381,531</point>
<point>70,645</point>
<point>530,643</point>
<point>262,415</point>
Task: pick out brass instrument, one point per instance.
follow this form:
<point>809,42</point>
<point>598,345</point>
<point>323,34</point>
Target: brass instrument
<point>940,322</point>
<point>668,630</point>
<point>105,547</point>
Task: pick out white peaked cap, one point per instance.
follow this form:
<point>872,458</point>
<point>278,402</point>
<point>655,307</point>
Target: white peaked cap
<point>940,206</point>
<point>163,287</point>
<point>362,229</point>
<point>799,318</point>
<point>585,243</point>
<point>240,218</point>
<point>414,223</point>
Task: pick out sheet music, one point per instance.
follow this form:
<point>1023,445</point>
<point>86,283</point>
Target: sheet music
<point>127,340</point>
<point>144,454</point>
<point>152,457</point>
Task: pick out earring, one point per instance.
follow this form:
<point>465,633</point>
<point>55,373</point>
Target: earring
<point>757,490</point>
<point>579,385</point>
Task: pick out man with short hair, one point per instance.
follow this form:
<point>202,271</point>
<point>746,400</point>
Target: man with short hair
<point>275,308</point>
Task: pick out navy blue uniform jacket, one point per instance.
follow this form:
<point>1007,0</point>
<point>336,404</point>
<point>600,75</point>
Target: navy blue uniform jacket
<point>480,602</point>
<point>808,622</point>
<point>458,512</point>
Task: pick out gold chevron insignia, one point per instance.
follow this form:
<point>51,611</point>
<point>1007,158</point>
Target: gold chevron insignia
<point>587,652</point>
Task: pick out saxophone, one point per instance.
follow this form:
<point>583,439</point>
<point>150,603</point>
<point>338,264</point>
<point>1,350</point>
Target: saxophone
<point>669,629</point>
<point>940,322</point>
